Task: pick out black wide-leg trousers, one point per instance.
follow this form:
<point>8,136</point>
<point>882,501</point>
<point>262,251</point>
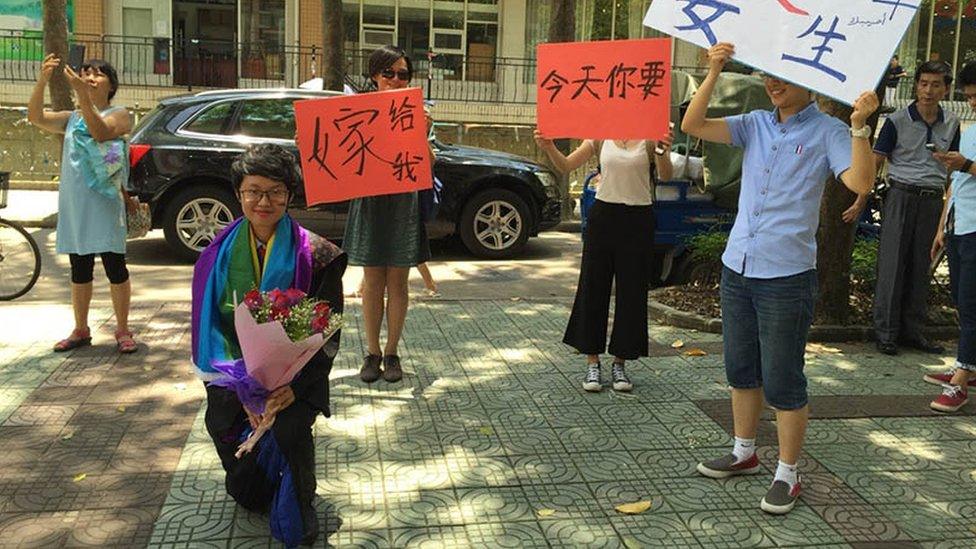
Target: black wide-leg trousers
<point>617,250</point>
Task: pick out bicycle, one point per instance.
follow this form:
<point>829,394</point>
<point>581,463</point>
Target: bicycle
<point>20,258</point>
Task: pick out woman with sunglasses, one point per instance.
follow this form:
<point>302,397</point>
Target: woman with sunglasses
<point>386,236</point>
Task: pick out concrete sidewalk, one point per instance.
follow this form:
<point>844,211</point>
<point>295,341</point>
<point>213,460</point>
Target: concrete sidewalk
<point>32,208</point>
<point>487,442</point>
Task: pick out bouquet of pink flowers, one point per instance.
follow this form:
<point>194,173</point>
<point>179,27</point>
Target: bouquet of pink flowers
<point>278,332</point>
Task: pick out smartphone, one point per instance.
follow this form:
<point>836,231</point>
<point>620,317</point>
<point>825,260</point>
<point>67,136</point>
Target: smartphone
<point>76,57</point>
<point>658,150</point>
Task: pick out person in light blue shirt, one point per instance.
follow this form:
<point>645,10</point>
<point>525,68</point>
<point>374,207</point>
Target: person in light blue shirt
<point>959,239</point>
<point>769,279</point>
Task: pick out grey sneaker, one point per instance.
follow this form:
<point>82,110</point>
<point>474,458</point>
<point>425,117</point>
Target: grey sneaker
<point>371,368</point>
<point>780,498</point>
<point>726,466</point>
<point>620,380</point>
<point>592,382</point>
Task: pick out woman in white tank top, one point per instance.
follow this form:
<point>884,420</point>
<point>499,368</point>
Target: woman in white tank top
<point>616,251</point>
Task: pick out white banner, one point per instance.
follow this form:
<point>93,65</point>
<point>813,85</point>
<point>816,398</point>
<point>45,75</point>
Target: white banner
<point>838,48</point>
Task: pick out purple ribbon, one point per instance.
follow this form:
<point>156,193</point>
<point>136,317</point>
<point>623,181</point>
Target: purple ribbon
<point>248,390</point>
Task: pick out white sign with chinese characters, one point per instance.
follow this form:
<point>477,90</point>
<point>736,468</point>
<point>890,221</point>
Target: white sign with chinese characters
<point>838,48</point>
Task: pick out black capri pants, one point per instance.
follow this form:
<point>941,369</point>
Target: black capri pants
<point>83,267</point>
<point>617,250</point>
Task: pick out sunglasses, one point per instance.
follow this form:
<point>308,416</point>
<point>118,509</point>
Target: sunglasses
<point>390,73</point>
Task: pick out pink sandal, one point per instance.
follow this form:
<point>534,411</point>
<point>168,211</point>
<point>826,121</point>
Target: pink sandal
<point>78,338</point>
<point>124,342</point>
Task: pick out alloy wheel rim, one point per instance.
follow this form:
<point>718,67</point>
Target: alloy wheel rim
<point>497,225</point>
<point>199,221</point>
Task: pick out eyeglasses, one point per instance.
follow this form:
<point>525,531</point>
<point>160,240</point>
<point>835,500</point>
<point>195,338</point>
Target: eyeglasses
<point>390,73</point>
<point>275,196</point>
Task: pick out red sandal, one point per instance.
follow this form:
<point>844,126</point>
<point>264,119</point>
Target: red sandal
<point>78,338</point>
<point>124,342</point>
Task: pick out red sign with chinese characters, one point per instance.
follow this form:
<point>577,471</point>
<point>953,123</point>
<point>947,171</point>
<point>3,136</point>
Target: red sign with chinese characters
<point>363,145</point>
<point>618,89</point>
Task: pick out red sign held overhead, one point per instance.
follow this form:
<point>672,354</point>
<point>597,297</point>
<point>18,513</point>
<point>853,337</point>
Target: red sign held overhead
<point>619,89</point>
<point>363,145</point>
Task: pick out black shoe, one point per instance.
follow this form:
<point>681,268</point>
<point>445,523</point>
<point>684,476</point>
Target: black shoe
<point>312,534</point>
<point>887,348</point>
<point>391,369</point>
<point>371,368</point>
<point>924,345</point>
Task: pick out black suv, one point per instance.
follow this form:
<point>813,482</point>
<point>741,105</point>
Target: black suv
<point>182,150</point>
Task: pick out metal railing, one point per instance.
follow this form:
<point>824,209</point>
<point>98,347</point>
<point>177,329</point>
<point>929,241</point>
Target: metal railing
<point>198,63</point>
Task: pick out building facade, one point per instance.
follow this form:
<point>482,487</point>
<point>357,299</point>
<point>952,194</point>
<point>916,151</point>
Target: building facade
<point>478,43</point>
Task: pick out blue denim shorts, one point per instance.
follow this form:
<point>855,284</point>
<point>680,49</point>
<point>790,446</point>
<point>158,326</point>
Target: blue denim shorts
<point>764,333</point>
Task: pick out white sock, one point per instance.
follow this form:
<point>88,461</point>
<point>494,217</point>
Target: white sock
<point>786,473</point>
<point>744,448</point>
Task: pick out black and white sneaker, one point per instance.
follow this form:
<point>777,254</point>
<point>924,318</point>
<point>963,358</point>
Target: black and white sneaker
<point>620,380</point>
<point>592,382</point>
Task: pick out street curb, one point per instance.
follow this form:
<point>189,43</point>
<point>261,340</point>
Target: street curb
<point>49,222</point>
<point>33,185</point>
<point>819,333</point>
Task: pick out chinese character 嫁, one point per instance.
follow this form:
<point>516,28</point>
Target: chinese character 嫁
<point>320,150</point>
<point>355,141</point>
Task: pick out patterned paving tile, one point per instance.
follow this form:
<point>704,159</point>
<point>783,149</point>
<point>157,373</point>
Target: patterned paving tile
<point>485,432</point>
<point>446,537</point>
<point>515,536</point>
<point>802,526</point>
<point>861,523</point>
<point>546,469</point>
<point>361,539</point>
<point>608,495</point>
<point>929,522</point>
<point>471,470</point>
<point>608,466</point>
<point>732,529</point>
<point>424,508</point>
<point>185,523</point>
<point>38,529</point>
<point>654,530</point>
<point>496,504</point>
<point>581,533</point>
<point>560,501</point>
<point>119,527</point>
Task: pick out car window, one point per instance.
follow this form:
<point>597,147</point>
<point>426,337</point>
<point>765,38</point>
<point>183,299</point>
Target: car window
<point>212,120</point>
<point>145,119</point>
<point>274,118</point>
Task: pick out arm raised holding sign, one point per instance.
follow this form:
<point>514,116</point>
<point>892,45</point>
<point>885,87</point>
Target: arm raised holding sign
<point>694,122</point>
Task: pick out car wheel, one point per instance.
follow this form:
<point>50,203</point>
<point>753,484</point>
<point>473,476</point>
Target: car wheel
<point>495,224</point>
<point>687,270</point>
<point>195,216</point>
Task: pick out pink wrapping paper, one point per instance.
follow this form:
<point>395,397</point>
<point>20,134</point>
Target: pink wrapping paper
<point>270,356</point>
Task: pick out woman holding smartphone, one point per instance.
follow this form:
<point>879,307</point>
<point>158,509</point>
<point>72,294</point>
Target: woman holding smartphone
<point>616,251</point>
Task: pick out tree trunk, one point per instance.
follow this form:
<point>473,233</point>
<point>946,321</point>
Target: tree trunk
<point>333,54</point>
<point>835,239</point>
<point>56,42</point>
<point>562,28</point>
